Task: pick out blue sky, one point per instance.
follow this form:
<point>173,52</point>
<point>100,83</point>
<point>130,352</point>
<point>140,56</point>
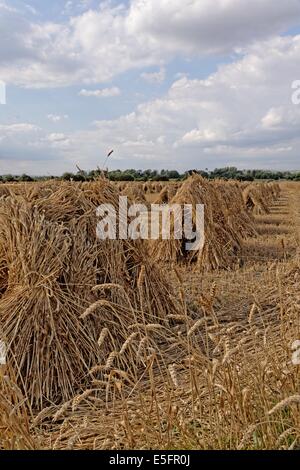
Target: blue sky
<point>165,83</point>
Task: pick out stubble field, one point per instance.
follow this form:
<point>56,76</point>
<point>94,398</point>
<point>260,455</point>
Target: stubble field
<point>123,344</point>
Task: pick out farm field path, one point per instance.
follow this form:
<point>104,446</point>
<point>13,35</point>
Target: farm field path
<point>276,245</point>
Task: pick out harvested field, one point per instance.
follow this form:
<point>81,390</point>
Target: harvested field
<point>123,344</point>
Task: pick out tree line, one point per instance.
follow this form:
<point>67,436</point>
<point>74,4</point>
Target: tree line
<point>162,175</point>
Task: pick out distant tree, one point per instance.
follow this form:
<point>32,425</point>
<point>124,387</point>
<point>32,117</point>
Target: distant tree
<point>205,174</point>
<point>148,173</point>
<point>226,173</point>
<point>67,176</point>
<point>172,174</point>
<point>80,177</point>
<point>296,177</point>
<point>160,178</point>
<point>91,175</point>
<point>9,179</point>
<point>25,178</point>
<point>245,178</point>
<point>127,177</point>
<point>191,172</point>
<point>142,178</point>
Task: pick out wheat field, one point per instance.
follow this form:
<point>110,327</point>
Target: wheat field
<point>134,344</point>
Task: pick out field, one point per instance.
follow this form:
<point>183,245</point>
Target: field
<point>123,344</point>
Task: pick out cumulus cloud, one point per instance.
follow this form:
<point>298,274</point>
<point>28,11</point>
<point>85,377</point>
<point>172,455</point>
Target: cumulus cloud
<point>194,26</point>
<point>104,93</point>
<point>240,115</point>
<point>272,119</point>
<point>5,7</point>
<point>154,77</point>
<point>57,117</point>
<point>76,6</point>
<point>244,111</point>
<point>96,45</point>
<point>18,128</point>
<point>56,140</point>
<point>56,137</point>
<point>19,151</point>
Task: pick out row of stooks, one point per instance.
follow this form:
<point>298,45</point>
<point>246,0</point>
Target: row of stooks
<point>229,217</point>
<point>61,288</point>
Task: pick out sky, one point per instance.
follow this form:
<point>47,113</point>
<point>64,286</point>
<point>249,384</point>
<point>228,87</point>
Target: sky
<point>173,84</point>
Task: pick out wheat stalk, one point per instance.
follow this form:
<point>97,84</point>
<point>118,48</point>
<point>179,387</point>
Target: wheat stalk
<point>173,375</point>
<point>128,341</point>
<point>141,277</point>
<point>79,398</point>
<point>196,325</point>
<point>294,399</point>
<point>62,410</point>
<point>92,308</point>
<point>110,360</point>
<point>252,312</point>
<point>102,336</point>
<point>141,346</point>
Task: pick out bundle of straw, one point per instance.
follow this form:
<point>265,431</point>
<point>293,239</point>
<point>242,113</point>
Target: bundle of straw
<point>51,259</point>
<point>225,224</point>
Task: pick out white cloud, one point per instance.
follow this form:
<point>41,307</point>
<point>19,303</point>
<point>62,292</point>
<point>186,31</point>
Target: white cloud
<point>104,93</point>
<point>5,6</point>
<point>72,6</point>
<point>57,117</point>
<point>154,77</point>
<point>19,128</point>
<point>194,26</point>
<point>58,141</point>
<point>242,113</point>
<point>272,119</point>
<point>56,137</point>
<point>205,135</point>
<point>96,45</point>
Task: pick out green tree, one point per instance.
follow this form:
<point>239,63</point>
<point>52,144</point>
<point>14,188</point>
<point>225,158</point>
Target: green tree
<point>25,178</point>
<point>67,176</point>
<point>9,178</point>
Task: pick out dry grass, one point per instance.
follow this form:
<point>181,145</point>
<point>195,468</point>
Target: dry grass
<point>51,260</point>
<point>227,223</point>
<point>15,432</point>
<point>208,368</point>
<point>258,197</point>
